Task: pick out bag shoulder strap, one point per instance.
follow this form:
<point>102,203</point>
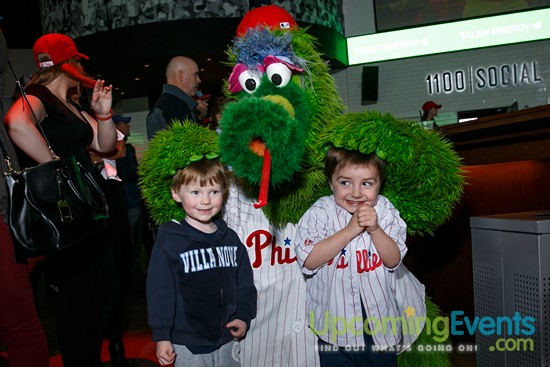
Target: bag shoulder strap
<point>24,96</point>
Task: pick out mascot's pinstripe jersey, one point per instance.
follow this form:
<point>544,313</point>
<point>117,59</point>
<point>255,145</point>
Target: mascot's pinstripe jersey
<point>286,112</point>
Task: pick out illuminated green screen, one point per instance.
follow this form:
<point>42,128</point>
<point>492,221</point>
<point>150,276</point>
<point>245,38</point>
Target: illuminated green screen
<point>469,34</point>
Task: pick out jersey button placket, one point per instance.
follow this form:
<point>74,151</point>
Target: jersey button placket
<point>297,327</point>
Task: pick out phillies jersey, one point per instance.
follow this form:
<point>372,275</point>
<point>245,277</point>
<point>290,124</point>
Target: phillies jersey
<point>279,335</point>
<point>355,278</point>
<point>393,299</point>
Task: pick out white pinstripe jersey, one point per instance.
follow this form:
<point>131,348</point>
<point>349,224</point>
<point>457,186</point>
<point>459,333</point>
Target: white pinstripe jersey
<point>355,277</point>
<point>279,335</point>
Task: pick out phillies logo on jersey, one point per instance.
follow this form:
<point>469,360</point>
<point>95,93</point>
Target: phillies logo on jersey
<point>262,239</point>
<point>367,261</point>
<point>342,261</point>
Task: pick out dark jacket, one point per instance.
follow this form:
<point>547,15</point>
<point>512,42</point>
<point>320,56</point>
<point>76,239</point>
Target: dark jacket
<point>173,104</point>
<point>197,283</point>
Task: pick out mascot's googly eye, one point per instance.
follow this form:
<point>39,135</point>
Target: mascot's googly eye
<point>279,74</point>
<point>249,81</point>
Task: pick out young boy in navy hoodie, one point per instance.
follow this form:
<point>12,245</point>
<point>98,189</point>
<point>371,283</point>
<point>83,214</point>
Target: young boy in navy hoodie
<point>200,288</point>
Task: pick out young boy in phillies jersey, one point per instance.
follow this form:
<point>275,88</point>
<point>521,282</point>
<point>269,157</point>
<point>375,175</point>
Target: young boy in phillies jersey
<point>348,244</point>
<point>200,287</point>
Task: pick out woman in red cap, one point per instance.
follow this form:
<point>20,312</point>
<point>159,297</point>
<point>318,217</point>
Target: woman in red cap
<point>85,273</point>
<point>429,111</point>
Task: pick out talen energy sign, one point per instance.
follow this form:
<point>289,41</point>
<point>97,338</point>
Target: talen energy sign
<point>472,79</point>
<point>463,35</point>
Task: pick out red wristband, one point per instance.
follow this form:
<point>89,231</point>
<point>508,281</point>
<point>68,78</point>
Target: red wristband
<point>105,118</point>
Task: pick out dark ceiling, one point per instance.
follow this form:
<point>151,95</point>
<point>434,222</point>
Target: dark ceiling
<point>134,58</point>
<point>20,22</point>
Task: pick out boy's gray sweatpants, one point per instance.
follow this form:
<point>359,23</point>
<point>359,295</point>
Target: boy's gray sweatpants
<point>226,356</point>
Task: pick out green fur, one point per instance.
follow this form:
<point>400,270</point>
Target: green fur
<point>424,178</point>
<point>416,358</point>
<point>169,151</point>
<point>291,198</point>
<point>283,131</point>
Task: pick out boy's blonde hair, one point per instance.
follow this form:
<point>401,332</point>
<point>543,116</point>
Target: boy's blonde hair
<point>338,158</point>
<point>203,172</point>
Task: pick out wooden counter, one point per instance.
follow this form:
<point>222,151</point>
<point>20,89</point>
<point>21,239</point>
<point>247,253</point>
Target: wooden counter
<point>508,137</point>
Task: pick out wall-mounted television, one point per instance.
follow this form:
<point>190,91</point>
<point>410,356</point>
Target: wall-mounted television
<point>400,14</point>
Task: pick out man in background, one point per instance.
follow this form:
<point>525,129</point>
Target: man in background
<point>176,100</point>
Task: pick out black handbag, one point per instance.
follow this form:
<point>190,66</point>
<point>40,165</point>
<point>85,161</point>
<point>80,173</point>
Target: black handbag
<point>51,206</point>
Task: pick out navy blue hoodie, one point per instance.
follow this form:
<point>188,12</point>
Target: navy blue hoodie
<point>197,283</point>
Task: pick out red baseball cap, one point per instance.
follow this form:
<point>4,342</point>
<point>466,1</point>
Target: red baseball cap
<point>270,16</point>
<point>430,104</point>
<point>58,46</point>
<point>204,97</point>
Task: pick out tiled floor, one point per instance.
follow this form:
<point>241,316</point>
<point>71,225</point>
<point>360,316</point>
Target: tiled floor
<point>137,340</point>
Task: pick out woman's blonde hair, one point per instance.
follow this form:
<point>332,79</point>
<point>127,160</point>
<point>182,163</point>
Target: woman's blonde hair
<point>71,68</point>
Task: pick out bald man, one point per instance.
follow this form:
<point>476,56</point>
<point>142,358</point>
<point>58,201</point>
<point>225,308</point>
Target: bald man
<point>175,102</point>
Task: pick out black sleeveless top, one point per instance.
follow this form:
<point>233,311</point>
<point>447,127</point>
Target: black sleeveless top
<point>67,133</point>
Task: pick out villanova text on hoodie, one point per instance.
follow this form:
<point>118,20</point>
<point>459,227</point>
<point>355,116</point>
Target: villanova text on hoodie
<point>197,283</point>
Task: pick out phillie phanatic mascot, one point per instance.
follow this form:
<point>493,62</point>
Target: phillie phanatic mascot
<point>285,113</point>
